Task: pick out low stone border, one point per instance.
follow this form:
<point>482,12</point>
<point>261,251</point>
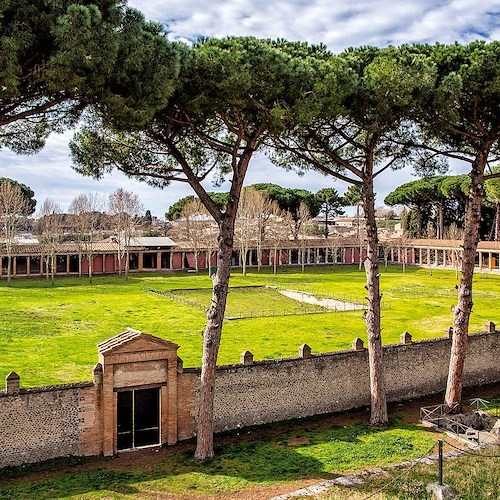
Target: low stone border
<point>358,478</point>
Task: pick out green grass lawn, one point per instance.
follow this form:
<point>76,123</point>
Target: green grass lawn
<point>311,450</point>
<point>474,476</point>
<point>48,333</point>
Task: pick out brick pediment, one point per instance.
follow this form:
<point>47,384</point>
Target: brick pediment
<point>134,341</point>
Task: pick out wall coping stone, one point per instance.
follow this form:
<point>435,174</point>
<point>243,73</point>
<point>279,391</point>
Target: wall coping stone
<point>264,362</point>
<point>49,388</point>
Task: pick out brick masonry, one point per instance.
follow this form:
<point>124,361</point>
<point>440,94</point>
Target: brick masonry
<point>75,419</point>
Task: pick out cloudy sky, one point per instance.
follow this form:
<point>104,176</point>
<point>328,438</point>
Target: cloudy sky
<point>338,24</point>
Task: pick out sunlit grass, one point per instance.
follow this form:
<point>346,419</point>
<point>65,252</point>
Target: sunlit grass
<point>48,334</point>
<point>298,452</point>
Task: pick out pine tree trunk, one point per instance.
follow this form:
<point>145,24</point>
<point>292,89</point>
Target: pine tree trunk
<point>372,317</point>
<point>211,343</point>
<point>440,224</point>
<point>461,313</point>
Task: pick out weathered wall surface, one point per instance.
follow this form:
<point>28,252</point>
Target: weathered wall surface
<point>187,393</point>
<point>38,424</point>
<point>270,391</point>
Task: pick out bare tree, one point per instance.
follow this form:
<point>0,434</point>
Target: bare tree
<point>193,223</point>
<point>13,207</point>
<point>253,213</point>
<point>277,231</point>
<point>87,209</point>
<point>49,228</point>
<point>303,217</point>
<point>125,206</point>
<point>245,227</point>
<point>456,236</point>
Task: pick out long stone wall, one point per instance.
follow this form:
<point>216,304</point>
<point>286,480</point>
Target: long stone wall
<point>48,422</point>
<point>269,391</point>
<point>42,423</point>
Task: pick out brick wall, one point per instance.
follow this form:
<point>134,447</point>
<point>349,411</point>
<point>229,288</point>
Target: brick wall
<point>49,422</point>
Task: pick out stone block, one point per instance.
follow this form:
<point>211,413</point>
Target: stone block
<point>304,351</point>
<point>357,344</point>
<point>246,358</point>
<point>12,381</point>
<point>490,327</point>
<point>97,374</point>
<point>405,338</point>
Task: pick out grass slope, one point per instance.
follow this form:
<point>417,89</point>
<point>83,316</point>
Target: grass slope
<point>48,333</point>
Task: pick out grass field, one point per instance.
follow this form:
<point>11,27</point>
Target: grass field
<point>48,333</point>
<point>249,302</point>
<point>274,455</point>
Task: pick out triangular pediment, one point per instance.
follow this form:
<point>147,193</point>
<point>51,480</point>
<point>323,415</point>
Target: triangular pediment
<point>132,340</point>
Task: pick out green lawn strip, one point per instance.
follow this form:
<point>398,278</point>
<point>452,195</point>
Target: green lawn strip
<point>299,453</point>
<point>247,302</point>
<point>48,334</point>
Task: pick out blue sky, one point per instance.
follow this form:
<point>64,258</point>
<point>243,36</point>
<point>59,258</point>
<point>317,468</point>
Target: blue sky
<point>338,24</point>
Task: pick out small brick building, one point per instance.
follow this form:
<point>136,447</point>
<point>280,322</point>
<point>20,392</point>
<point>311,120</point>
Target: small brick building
<point>138,391</point>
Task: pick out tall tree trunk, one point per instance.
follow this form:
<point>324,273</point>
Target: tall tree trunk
<point>461,313</point>
<point>418,211</point>
<point>244,257</point>
<point>440,221</point>
<point>127,262</point>
<point>211,342</point>
<point>357,219</point>
<point>372,316</point>
<point>52,267</point>
<point>9,268</point>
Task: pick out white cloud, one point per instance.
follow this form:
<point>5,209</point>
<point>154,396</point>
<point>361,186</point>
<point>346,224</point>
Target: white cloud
<point>338,24</point>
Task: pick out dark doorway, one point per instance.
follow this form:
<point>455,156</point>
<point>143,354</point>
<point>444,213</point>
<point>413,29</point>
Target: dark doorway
<point>138,418</point>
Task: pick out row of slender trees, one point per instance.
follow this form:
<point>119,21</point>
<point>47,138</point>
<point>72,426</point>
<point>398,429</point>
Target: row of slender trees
<point>89,217</point>
<point>164,112</point>
<point>327,201</point>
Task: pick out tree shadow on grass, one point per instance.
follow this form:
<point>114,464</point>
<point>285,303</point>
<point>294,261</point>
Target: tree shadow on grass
<point>263,460</point>
<point>239,466</point>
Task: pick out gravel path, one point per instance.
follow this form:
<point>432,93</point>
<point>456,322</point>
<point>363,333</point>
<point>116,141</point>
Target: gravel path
<point>333,304</point>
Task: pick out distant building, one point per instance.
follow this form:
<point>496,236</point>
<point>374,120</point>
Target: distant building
<point>163,254</point>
